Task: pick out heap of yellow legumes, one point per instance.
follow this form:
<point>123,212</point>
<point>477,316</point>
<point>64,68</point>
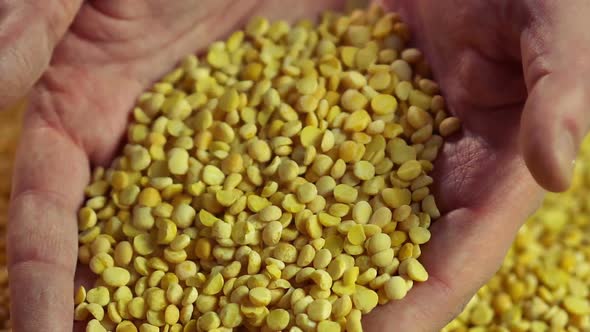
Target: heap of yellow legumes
<point>278,183</point>
<point>544,282</point>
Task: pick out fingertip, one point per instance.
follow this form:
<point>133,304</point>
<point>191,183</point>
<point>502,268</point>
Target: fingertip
<point>550,164</point>
<point>552,125</point>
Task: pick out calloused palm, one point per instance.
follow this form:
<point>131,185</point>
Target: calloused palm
<point>114,49</point>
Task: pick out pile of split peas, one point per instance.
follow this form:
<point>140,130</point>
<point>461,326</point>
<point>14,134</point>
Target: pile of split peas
<point>280,182</point>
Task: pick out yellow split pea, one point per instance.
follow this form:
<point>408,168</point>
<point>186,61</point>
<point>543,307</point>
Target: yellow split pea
<point>278,182</point>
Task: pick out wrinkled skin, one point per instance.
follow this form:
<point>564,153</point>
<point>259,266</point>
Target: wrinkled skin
<point>518,89</point>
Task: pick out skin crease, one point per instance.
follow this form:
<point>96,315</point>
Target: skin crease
<point>487,55</point>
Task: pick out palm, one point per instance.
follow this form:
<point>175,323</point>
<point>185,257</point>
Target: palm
<point>78,114</point>
<point>115,49</point>
<point>482,182</point>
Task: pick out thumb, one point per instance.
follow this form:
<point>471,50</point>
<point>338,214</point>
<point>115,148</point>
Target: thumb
<point>29,31</point>
<point>556,116</point>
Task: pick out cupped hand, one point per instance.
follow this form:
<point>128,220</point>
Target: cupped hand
<point>113,49</point>
<point>77,116</point>
<point>515,73</point>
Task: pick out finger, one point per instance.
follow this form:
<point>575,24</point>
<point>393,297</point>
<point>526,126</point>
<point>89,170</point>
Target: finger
<point>467,246</point>
<point>50,172</point>
<point>29,31</point>
<point>556,118</point>
<point>190,26</point>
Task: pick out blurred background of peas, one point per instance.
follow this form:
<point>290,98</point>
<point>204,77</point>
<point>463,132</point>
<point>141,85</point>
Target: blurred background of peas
<point>9,130</point>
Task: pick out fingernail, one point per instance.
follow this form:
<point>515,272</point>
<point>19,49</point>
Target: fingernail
<point>567,153</point>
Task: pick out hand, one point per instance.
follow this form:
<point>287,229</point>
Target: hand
<point>113,50</point>
<point>77,116</point>
<point>514,72</point>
